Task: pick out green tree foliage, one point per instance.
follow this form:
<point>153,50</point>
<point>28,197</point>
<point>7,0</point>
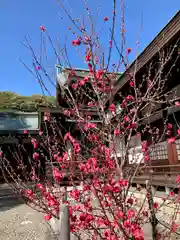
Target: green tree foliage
<point>10,100</point>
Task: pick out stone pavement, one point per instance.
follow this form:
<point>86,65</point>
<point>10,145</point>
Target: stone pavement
<point>20,222</point>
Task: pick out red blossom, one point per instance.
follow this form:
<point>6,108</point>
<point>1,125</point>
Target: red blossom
<point>33,175</point>
<point>131,83</point>
<point>90,67</point>
<point>1,154</point>
<point>110,43</point>
<point>65,156</point>
<point>67,113</point>
<point>127,223</point>
<point>40,187</point>
<point>146,157</point>
<point>112,108</point>
<point>75,194</point>
<point>88,58</point>
<point>169,126</point>
<point>86,39</point>
<point>36,156</point>
<point>82,216</point>
<point>91,104</point>
<point>42,28</point>
<point>120,214</point>
<point>130,213</point>
<point>72,73</point>
<point>168,133</point>
<point>77,148</point>
<point>52,203</point>
<point>89,125</point>
<point>171,140</point>
<point>130,98</point>
<point>126,119</point>
<point>138,234</point>
<point>178,179</point>
<point>74,85</point>
<point>177,103</point>
<point>172,194</point>
<point>99,74</point>
<point>40,132</point>
<point>155,205</point>
<point>46,116</point>
<point>29,193</point>
<point>58,176</point>
<point>92,161</point>
<point>25,131</point>
<point>34,143</point>
<point>138,134</point>
<point>123,182</point>
<point>174,227</point>
<point>178,131</point>
<point>130,201</point>
<point>48,196</point>
<point>76,42</point>
<point>144,146</point>
<point>97,59</point>
<point>47,217</point>
<point>124,103</point>
<point>81,83</point>
<point>100,222</point>
<point>93,137</point>
<point>145,213</point>
<point>38,67</point>
<point>105,18</point>
<point>132,126</point>
<point>86,79</point>
<point>129,50</point>
<point>67,136</point>
<point>116,132</point>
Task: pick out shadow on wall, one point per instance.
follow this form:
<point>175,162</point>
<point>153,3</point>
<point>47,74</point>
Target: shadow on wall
<point>8,199</point>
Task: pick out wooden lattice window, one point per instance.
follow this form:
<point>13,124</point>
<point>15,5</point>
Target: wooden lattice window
<point>178,148</point>
<point>159,151</point>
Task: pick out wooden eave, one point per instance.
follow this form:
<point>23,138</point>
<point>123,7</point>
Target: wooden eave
<point>162,39</point>
<point>159,115</point>
<point>60,110</point>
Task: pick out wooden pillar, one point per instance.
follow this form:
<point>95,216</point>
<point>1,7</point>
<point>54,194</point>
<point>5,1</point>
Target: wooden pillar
<point>175,156</point>
<point>175,153</point>
<point>172,156</point>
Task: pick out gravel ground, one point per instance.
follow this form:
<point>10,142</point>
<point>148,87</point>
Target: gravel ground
<point>20,222</point>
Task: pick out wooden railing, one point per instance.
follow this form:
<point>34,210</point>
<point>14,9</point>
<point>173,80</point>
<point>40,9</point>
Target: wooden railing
<point>164,175</point>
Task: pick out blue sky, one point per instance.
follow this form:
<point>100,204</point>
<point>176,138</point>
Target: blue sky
<point>22,18</point>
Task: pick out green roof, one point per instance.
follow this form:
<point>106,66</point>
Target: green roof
<point>80,72</point>
<point>10,100</point>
